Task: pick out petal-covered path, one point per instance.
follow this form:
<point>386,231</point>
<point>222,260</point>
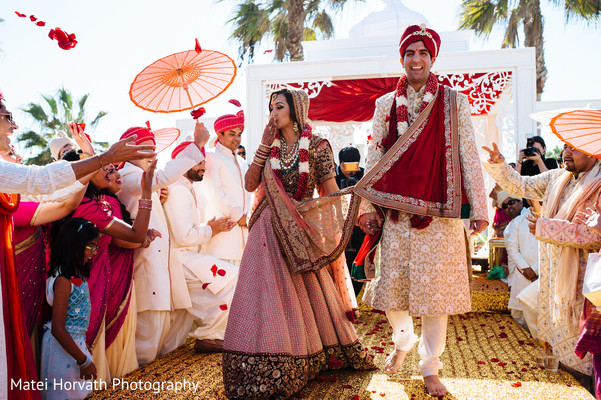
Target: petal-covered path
<point>488,356</point>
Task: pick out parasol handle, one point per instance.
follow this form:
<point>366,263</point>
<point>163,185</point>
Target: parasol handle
<point>185,87</point>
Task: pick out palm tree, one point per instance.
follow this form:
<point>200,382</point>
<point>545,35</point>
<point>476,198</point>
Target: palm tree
<point>287,22</point>
<point>60,113</point>
<point>483,15</point>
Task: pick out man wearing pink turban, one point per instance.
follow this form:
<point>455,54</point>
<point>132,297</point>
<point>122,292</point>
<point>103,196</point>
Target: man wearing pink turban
<point>224,188</point>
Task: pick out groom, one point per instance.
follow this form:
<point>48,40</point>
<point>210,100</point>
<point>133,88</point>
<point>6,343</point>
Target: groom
<point>424,176</point>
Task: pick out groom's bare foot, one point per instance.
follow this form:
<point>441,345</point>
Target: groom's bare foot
<point>434,386</point>
<point>394,362</point>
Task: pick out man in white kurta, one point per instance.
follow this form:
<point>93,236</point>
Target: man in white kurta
<point>152,275</point>
<point>564,193</point>
<point>522,252</point>
<point>224,189</point>
<point>423,266</point>
<point>204,284</point>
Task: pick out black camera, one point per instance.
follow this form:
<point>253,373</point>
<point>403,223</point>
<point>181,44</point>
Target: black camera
<point>350,181</point>
<point>530,150</point>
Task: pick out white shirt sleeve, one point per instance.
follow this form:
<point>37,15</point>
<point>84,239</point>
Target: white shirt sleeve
<point>59,195</point>
<point>33,179</point>
<point>178,207</point>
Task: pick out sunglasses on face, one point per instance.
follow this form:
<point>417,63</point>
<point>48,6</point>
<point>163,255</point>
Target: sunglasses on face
<point>92,247</point>
<point>9,117</point>
<point>509,203</point>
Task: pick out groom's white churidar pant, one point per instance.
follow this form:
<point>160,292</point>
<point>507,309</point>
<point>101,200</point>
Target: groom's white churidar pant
<point>431,344</point>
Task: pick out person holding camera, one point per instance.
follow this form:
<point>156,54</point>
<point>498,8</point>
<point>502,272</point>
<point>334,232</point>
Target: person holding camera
<point>532,161</point>
<point>348,173</point>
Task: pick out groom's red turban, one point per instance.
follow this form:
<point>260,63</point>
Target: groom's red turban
<point>415,33</point>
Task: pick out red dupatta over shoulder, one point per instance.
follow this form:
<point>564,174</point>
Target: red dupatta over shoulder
<point>19,355</point>
<point>420,173</point>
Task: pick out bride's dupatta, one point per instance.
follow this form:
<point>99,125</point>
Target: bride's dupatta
<point>312,233</point>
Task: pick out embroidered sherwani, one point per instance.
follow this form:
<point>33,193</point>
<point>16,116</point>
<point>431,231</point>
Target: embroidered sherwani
<point>151,265</point>
<point>554,234</point>
<point>425,271</point>
<point>224,189</point>
<point>199,291</point>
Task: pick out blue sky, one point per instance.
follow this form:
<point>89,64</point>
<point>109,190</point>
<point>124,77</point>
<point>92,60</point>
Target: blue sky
<point>117,39</point>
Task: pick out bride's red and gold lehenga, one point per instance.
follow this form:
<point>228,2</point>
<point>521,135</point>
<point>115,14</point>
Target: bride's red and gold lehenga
<point>286,325</point>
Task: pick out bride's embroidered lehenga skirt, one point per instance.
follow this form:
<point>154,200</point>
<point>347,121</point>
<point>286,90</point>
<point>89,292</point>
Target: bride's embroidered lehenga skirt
<point>283,329</point>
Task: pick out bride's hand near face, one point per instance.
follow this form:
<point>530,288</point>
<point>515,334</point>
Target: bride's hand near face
<point>269,131</point>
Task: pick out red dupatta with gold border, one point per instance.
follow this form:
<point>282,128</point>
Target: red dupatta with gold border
<point>421,172</point>
<point>19,355</point>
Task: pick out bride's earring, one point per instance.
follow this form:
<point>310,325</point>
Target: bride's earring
<point>296,129</point>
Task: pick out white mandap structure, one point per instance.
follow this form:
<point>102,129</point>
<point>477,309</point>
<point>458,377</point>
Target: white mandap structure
<point>344,77</point>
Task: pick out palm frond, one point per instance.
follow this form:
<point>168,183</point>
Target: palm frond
<point>41,159</point>
<point>588,10</point>
<point>279,31</point>
<point>323,23</point>
<point>511,38</point>
<point>309,35</point>
<point>479,15</point>
<point>32,139</point>
<point>252,24</point>
<point>37,113</point>
<point>96,120</point>
<point>51,101</point>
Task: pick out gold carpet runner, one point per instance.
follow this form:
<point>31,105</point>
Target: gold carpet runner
<point>488,356</point>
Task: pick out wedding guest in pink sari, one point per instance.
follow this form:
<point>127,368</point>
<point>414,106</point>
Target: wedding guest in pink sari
<point>289,318</point>
<point>102,210</point>
<point>30,255</point>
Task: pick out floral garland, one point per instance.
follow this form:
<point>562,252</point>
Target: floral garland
<point>402,115</point>
<point>303,162</point>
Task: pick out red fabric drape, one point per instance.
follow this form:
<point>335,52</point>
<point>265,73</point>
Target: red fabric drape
<point>19,355</point>
<point>355,99</point>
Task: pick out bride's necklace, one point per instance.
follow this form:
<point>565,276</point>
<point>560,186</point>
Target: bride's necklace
<point>289,158</point>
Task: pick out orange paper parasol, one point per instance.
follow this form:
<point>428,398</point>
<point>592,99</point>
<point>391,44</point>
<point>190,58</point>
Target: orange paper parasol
<point>581,129</point>
<point>165,137</point>
<point>182,81</point>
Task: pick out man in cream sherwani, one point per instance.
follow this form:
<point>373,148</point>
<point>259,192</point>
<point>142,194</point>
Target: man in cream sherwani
<point>204,284</point>
<point>224,189</point>
<point>151,264</point>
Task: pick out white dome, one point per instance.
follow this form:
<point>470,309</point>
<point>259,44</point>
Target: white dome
<point>392,20</point>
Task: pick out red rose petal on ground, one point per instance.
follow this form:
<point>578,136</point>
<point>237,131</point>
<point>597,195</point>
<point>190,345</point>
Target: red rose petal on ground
<point>482,324</point>
<point>221,272</point>
<point>333,379</point>
<point>481,362</point>
<point>322,378</point>
<point>355,397</point>
<point>40,23</point>
<point>223,307</point>
<point>569,384</point>
<point>516,384</point>
<point>459,339</point>
<point>494,360</point>
<point>347,386</point>
<point>267,51</point>
<point>20,15</point>
<point>204,285</point>
<point>502,364</point>
<point>214,270</point>
<point>524,369</point>
<point>33,18</point>
<point>502,335</point>
<point>382,394</point>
